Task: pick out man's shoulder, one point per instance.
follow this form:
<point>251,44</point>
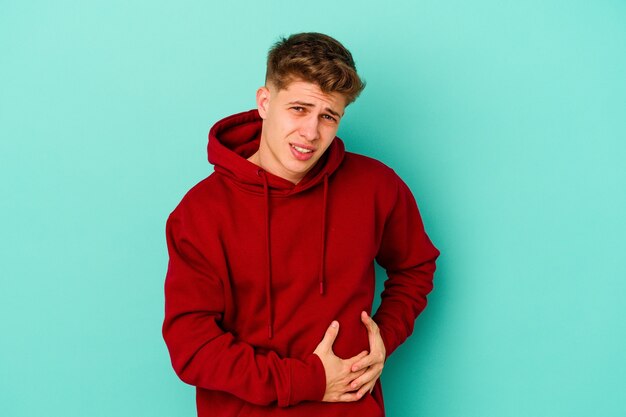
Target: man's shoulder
<point>368,177</point>
<point>365,165</point>
<point>202,194</point>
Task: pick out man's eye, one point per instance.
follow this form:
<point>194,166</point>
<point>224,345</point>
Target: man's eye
<point>298,108</point>
<point>328,117</point>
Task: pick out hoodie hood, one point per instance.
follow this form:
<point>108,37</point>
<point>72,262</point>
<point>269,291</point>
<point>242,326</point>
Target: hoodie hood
<point>235,138</point>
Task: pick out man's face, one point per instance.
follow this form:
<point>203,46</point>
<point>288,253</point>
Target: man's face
<point>299,124</point>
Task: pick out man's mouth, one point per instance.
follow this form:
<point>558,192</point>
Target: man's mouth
<point>301,150</point>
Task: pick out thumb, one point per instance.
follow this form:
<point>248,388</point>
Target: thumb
<point>367,321</point>
<point>326,344</point>
<point>372,329</point>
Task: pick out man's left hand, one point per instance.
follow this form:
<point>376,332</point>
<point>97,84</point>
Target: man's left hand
<point>374,362</point>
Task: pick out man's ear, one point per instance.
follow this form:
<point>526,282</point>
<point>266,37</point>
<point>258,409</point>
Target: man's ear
<point>262,101</point>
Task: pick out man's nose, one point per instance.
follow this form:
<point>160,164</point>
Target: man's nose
<point>309,128</point>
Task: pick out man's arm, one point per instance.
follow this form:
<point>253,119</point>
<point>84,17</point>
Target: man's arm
<point>408,256</point>
<point>205,355</point>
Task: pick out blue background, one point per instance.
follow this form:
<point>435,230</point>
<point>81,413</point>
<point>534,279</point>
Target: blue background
<point>506,119</point>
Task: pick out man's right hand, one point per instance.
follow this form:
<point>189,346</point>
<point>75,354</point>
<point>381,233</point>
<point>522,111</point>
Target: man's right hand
<point>338,371</point>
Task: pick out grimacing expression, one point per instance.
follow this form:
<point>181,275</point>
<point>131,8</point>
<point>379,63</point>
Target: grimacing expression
<point>299,124</point>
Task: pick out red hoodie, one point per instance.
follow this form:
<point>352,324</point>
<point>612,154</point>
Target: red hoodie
<point>259,268</point>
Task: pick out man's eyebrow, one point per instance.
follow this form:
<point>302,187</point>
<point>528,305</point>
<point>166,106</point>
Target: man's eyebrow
<point>304,104</point>
<point>334,113</point>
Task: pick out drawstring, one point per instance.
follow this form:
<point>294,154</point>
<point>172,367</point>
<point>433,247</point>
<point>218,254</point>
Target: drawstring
<point>323,251</point>
<point>268,288</point>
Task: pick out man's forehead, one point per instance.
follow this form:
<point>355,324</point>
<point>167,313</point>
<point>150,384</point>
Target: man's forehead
<point>309,94</point>
<point>312,105</point>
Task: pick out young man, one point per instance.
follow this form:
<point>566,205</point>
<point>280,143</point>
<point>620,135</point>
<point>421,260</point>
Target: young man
<point>271,275</point>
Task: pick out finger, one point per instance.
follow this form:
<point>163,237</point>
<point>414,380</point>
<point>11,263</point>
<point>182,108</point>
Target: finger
<point>373,333</point>
<point>329,337</point>
<point>365,389</point>
<point>371,374</point>
<point>353,376</point>
<point>374,358</point>
<point>361,361</point>
<point>368,322</point>
<point>349,397</point>
<point>365,362</point>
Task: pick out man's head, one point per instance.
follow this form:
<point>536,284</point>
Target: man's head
<point>310,80</point>
<point>314,58</point>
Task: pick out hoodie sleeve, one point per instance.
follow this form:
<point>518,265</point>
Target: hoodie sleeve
<point>408,256</point>
<point>205,355</point>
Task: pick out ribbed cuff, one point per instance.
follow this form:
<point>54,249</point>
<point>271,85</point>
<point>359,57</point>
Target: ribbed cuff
<point>308,380</point>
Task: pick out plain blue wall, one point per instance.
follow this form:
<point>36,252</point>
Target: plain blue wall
<point>507,120</point>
